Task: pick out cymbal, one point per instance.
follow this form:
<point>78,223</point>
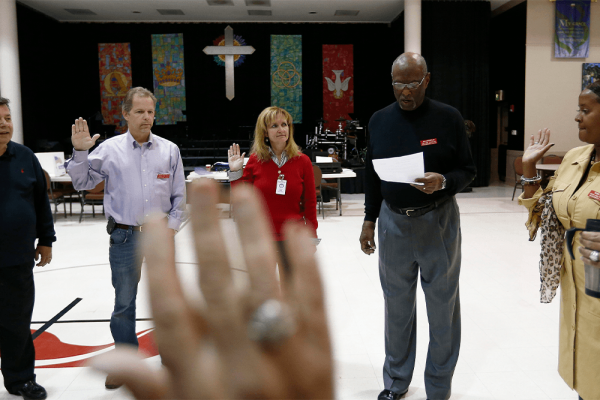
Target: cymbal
<point>340,120</point>
<point>321,120</point>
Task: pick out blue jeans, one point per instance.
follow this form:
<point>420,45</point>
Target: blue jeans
<point>125,264</point>
<point>429,244</point>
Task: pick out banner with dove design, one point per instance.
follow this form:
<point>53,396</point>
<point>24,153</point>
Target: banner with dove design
<point>338,83</point>
<point>572,31</point>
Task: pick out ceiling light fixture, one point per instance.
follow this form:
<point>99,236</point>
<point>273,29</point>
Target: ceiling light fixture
<point>346,13</point>
<point>165,11</point>
<point>80,11</point>
<point>220,2</point>
<point>264,13</point>
<point>258,3</point>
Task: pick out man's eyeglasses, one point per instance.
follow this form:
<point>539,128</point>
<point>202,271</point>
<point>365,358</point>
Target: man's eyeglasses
<point>410,86</point>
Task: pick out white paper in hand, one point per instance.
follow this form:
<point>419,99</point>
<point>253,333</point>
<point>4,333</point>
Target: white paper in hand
<point>401,169</point>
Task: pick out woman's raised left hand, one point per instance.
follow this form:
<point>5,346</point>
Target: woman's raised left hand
<point>236,161</point>
<point>539,144</point>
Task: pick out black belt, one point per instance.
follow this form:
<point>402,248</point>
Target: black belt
<point>418,211</point>
<point>134,228</point>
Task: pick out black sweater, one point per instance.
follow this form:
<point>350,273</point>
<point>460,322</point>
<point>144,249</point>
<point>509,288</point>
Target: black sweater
<point>395,132</point>
<point>25,212</point>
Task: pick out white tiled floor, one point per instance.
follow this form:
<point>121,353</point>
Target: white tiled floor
<point>509,341</point>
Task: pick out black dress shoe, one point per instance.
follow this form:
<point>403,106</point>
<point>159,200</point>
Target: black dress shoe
<point>29,390</point>
<point>389,395</point>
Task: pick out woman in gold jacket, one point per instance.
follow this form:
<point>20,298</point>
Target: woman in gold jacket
<point>575,191</point>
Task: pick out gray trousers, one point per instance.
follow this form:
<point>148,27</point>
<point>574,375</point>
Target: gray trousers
<point>429,244</point>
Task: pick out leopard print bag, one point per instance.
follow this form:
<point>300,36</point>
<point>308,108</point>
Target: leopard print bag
<point>552,237</point>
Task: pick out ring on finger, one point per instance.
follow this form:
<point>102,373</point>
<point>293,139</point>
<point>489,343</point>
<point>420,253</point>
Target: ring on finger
<point>594,256</point>
<point>271,323</point>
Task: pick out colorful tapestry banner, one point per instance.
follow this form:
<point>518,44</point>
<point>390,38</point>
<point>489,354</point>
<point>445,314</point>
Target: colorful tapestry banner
<point>115,81</point>
<point>338,83</point>
<point>572,35</point>
<point>286,74</point>
<point>169,78</point>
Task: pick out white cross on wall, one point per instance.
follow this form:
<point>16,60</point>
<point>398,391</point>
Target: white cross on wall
<point>229,51</point>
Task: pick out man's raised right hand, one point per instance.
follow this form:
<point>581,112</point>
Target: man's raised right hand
<point>80,136</point>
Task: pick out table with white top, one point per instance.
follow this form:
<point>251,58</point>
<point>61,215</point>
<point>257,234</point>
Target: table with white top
<point>60,178</point>
<point>346,173</point>
<point>49,161</point>
<point>217,176</point>
<point>65,179</point>
<point>545,171</point>
<point>547,167</point>
<point>222,176</point>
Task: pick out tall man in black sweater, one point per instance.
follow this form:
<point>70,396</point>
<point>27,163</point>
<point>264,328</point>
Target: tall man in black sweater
<point>419,228</point>
<point>25,215</point>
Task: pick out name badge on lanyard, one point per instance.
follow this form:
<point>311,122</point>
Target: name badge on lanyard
<point>281,185</point>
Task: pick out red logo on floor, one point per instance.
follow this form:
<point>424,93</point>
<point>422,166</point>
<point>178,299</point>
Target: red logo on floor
<point>163,176</point>
<point>428,142</point>
<point>51,352</point>
<point>594,195</point>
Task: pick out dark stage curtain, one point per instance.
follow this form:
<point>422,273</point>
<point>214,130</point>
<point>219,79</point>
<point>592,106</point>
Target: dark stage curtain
<point>210,114</point>
<point>455,42</point>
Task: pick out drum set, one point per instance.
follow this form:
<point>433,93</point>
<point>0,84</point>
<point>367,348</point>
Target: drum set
<point>342,143</point>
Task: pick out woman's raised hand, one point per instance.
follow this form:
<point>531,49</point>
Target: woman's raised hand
<point>539,144</point>
<point>236,161</point>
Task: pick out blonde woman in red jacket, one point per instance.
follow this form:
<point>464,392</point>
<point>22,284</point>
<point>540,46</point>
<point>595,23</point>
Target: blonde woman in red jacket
<point>281,173</point>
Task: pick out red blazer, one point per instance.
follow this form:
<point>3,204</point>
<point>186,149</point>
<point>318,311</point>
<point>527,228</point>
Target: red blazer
<point>300,188</point>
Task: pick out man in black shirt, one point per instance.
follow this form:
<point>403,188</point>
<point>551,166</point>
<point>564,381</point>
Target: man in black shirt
<point>25,215</point>
<point>419,227</point>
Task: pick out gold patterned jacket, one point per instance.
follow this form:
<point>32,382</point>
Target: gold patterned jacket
<point>579,333</point>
